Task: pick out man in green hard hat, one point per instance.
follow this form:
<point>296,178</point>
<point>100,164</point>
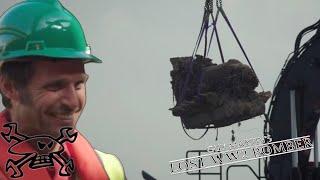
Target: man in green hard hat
<point>43,86</point>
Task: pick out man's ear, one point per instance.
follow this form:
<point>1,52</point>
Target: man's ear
<point>8,89</point>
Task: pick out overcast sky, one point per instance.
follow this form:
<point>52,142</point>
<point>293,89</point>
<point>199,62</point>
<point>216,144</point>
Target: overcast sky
<point>128,96</point>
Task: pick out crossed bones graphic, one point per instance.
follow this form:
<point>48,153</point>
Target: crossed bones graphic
<point>43,154</point>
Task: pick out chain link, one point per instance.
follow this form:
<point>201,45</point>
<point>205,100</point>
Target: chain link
<point>219,3</point>
<point>209,6</point>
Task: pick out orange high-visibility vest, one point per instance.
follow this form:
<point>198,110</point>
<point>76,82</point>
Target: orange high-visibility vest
<point>89,164</point>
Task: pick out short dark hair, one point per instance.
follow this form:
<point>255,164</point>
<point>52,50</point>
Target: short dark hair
<point>19,72</point>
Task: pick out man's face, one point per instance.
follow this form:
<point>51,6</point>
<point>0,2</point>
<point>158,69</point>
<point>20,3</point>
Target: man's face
<point>54,97</point>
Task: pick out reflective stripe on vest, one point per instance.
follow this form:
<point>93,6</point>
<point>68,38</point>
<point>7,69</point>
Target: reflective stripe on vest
<point>112,166</point>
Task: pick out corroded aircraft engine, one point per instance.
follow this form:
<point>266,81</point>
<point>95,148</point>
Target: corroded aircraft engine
<point>211,94</point>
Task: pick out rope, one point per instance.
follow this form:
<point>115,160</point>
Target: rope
<point>239,43</point>
<point>217,133</point>
<point>205,39</point>
<point>185,131</point>
<point>217,37</point>
<point>214,22</point>
<point>199,36</point>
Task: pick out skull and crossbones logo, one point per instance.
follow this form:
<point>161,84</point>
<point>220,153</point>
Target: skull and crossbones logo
<point>46,151</point>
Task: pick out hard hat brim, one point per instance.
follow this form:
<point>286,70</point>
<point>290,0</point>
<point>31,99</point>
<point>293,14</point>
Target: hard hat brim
<point>66,53</point>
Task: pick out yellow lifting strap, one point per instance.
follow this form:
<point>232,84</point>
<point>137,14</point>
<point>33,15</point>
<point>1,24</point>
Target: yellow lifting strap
<point>112,166</point>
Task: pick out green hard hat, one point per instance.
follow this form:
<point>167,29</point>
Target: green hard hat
<point>42,28</point>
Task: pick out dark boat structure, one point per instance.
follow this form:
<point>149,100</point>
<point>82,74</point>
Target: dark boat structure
<point>294,109</point>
